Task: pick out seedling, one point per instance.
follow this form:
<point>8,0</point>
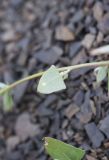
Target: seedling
<point>51,81</point>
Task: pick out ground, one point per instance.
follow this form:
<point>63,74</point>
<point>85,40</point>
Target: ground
<point>35,34</point>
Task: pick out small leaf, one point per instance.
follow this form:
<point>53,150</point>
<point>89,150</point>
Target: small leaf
<point>51,81</point>
<point>62,151</point>
<point>2,85</point>
<point>7,102</point>
<point>101,73</point>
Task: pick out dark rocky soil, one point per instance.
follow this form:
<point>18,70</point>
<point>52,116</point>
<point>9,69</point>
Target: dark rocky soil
<point>35,34</point>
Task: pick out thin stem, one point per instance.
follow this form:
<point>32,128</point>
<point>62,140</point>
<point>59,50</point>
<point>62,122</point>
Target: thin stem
<point>78,66</point>
<point>70,68</point>
<point>20,81</point>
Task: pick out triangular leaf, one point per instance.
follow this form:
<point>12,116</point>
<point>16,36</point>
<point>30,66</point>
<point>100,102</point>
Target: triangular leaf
<point>62,151</point>
<point>101,73</point>
<point>51,81</point>
<point>7,102</point>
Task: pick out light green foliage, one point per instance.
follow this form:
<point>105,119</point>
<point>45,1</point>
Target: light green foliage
<point>7,98</point>
<point>2,85</point>
<point>59,150</point>
<point>51,81</point>
<point>7,102</point>
<point>101,73</point>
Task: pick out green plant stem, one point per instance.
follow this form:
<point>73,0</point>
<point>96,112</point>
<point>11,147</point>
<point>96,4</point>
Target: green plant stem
<point>70,68</point>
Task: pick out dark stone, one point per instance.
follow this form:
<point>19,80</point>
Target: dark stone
<point>78,16</point>
<point>16,155</point>
<point>43,110</point>
<point>76,124</point>
<point>55,124</point>
<point>78,97</point>
<point>49,56</point>
<point>74,48</point>
<point>85,114</point>
<point>94,134</point>
<point>26,147</point>
<point>80,72</point>
<point>50,100</point>
<point>104,126</point>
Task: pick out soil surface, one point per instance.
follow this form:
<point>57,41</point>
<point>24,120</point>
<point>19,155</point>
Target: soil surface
<point>35,34</point>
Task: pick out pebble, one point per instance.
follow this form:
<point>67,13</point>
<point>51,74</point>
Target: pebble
<point>76,124</point>
<point>71,110</point>
<point>12,142</point>
<point>44,108</point>
<point>104,126</point>
<point>98,11</point>
<point>77,73</point>
<point>100,50</point>
<point>100,37</point>
<point>74,48</point>
<point>81,57</point>
<point>78,16</point>
<point>55,124</point>
<point>94,134</point>
<point>90,157</point>
<point>64,34</point>
<point>24,128</point>
<point>7,36</point>
<point>79,97</point>
<point>88,40</point>
<point>49,100</point>
<point>22,59</point>
<point>85,114</point>
<point>103,24</point>
<point>106,145</point>
<point>43,111</point>
<point>49,56</point>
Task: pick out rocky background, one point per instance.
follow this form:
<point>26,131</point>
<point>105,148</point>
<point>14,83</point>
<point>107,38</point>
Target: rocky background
<point>35,34</point>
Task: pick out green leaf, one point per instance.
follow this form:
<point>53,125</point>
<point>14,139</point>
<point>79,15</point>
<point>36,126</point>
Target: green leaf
<point>7,98</point>
<point>62,151</point>
<point>101,73</point>
<point>7,102</point>
<point>51,81</point>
